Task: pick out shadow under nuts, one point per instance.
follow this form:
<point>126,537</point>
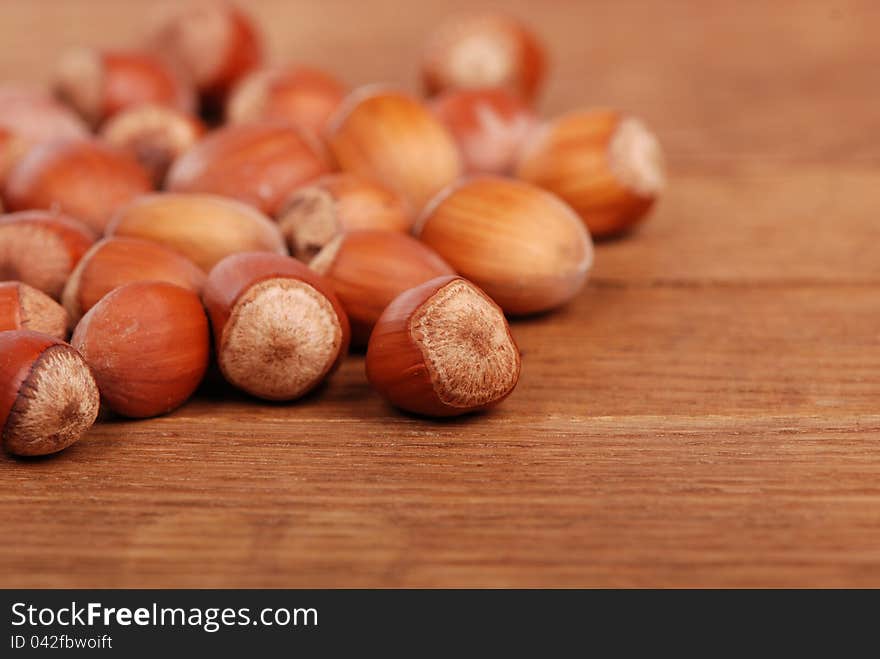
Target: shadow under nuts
<point>48,397</point>
<point>279,330</point>
<point>148,345</point>
<point>443,349</point>
<point>523,246</point>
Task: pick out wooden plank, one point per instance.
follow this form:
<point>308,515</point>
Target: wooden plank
<point>756,225</point>
<point>564,501</point>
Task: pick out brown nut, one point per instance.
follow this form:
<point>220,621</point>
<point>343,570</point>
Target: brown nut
<point>607,166</point>
<point>116,261</point>
<point>29,117</point>
<point>99,84</point>
<point>259,164</point>
<point>336,203</point>
<point>443,349</point>
<point>368,269</point>
<point>155,135</point>
<point>394,138</point>
<point>214,42</point>
<point>204,228</point>
<point>41,248</point>
<point>485,50</point>
<point>279,330</point>
<point>83,178</point>
<point>148,345</point>
<point>48,397</point>
<point>523,246</point>
<point>301,96</point>
<point>490,125</point>
<point>26,308</point>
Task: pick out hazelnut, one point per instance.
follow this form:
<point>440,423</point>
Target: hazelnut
<point>301,96</point>
<point>116,261</point>
<point>279,330</point>
<point>368,269</point>
<point>443,349</point>
<point>155,135</point>
<point>394,137</point>
<point>48,397</point>
<point>486,50</point>
<point>527,249</point>
<point>36,116</point>
<point>83,178</point>
<point>259,164</point>
<point>148,345</point>
<point>204,228</point>
<point>490,126</point>
<point>41,248</point>
<point>214,42</point>
<point>26,308</point>
<point>99,84</point>
<point>607,166</point>
<point>336,203</point>
<point>29,117</point>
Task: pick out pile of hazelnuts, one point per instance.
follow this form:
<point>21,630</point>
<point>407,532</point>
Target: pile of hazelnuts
<point>182,207</point>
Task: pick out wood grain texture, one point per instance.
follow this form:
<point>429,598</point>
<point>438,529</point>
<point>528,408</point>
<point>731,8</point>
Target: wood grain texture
<point>707,413</point>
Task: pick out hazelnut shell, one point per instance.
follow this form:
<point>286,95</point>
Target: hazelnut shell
<point>270,315</point>
<point>83,178</point>
<point>301,96</point>
<point>393,137</point>
<point>443,349</point>
<point>148,345</point>
<point>607,166</point>
<point>204,228</point>
<point>99,84</point>
<point>368,269</point>
<point>154,135</point>
<point>214,42</point>
<point>48,397</point>
<point>522,245</point>
<point>490,125</point>
<point>258,164</point>
<point>334,204</point>
<point>41,248</point>
<point>116,261</point>
<point>484,50</point>
<point>25,308</point>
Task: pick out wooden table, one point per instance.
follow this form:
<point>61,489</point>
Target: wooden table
<point>707,413</point>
